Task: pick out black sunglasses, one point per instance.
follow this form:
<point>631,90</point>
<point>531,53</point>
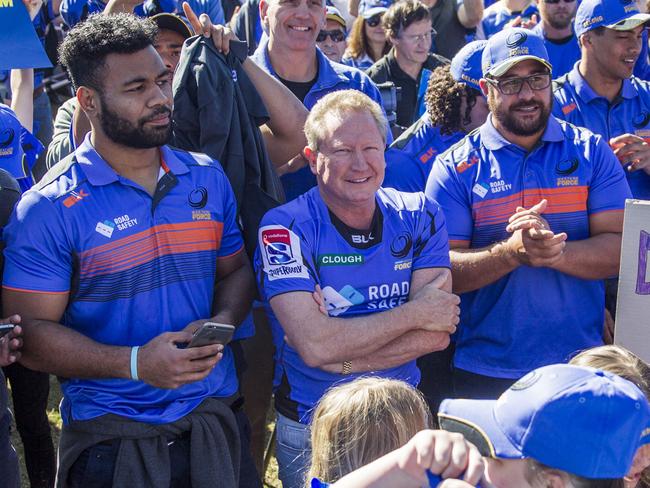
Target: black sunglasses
<point>336,35</point>
<point>374,20</point>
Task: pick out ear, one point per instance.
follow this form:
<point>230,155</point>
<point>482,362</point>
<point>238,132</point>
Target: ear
<point>88,100</point>
<point>264,7</point>
<point>311,156</point>
<point>484,86</point>
<point>556,479</point>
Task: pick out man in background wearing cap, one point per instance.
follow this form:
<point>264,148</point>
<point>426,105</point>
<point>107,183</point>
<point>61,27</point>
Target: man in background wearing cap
<point>331,39</point>
<point>409,64</point>
<point>535,212</point>
<point>559,426</point>
<point>601,93</point>
<point>290,54</point>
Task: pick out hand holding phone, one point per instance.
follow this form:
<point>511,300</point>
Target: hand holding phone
<point>212,333</point>
<point>5,329</point>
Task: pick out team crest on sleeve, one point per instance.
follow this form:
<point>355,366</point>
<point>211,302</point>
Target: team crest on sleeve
<point>281,254</point>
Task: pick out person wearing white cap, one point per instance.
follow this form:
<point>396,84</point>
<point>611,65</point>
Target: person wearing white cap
<point>535,210</point>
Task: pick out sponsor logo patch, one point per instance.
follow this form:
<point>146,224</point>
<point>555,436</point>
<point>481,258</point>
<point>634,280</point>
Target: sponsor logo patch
<point>425,157</point>
<point>340,259</point>
<point>281,255</point>
<point>105,228</point>
<point>480,189</point>
<point>499,186</point>
<point>402,265</point>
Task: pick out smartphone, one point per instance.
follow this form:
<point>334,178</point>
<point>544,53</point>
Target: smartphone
<point>5,329</point>
<point>212,333</point>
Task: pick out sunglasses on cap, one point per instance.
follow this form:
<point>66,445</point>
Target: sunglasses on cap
<point>336,35</point>
<point>374,21</point>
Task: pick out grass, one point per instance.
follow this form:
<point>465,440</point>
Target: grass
<point>271,475</point>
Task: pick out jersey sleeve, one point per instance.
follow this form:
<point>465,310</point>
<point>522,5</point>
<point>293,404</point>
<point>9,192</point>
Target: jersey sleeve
<point>284,260</point>
<point>431,242</point>
<point>609,188</point>
<point>444,187</point>
<point>231,239</point>
<point>402,173</point>
<point>38,257</point>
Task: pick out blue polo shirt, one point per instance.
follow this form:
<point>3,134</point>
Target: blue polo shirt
<point>576,102</point>
<point>331,77</point>
<point>134,266</point>
<point>532,316</point>
<point>301,245</point>
<point>410,157</point>
<point>496,16</point>
<point>563,55</point>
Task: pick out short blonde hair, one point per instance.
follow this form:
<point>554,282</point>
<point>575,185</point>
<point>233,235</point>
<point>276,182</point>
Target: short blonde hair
<point>337,105</point>
<point>358,422</point>
<point>617,360</point>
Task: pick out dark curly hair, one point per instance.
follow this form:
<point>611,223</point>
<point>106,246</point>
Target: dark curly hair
<point>443,101</point>
<point>83,52</point>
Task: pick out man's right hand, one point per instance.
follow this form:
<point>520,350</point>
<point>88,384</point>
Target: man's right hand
<point>436,310</point>
<point>163,365</point>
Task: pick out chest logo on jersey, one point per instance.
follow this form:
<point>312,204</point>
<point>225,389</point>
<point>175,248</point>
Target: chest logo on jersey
<point>641,120</point>
<point>340,259</point>
<point>74,198</point>
<point>567,166</point>
<point>338,302</point>
<point>198,197</point>
<point>105,228</point>
<point>201,215</point>
<point>465,165</point>
<point>401,245</point>
<point>281,255</point>
<point>362,238</point>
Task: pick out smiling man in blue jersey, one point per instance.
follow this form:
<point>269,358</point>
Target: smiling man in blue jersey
<point>378,258</point>
<point>114,259</point>
<point>600,92</point>
<point>455,106</point>
<point>534,225</point>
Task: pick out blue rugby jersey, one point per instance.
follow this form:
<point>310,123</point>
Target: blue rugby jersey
<point>576,102</point>
<point>301,244</point>
<point>134,266</point>
<point>563,55</point>
<point>410,157</point>
<point>532,316</point>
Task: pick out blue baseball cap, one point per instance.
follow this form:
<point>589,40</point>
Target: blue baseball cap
<point>466,65</point>
<point>614,14</point>
<point>510,47</point>
<point>12,156</point>
<point>580,420</point>
<point>370,8</point>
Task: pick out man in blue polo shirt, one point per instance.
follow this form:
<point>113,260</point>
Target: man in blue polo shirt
<point>600,92</point>
<point>290,54</point>
<point>379,259</point>
<point>455,106</point>
<point>556,27</point>
<point>114,260</point>
<point>534,225</point>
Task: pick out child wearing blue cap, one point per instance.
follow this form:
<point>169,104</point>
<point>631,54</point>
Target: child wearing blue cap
<point>558,426</point>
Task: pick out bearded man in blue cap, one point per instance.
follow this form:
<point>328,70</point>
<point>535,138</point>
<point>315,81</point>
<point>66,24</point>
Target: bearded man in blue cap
<point>535,213</point>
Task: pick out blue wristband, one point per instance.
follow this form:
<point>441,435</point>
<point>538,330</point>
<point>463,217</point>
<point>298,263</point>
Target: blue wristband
<point>134,363</point>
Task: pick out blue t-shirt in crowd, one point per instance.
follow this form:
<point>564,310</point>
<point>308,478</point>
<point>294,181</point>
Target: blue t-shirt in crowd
<point>496,16</point>
<point>563,54</point>
<point>532,316</point>
<point>331,77</point>
<point>578,103</point>
<point>302,244</point>
<point>134,266</point>
<point>410,157</point>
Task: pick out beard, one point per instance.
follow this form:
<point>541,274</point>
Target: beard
<point>138,135</point>
<point>560,22</point>
<point>515,125</point>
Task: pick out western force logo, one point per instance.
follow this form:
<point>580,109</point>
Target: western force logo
<point>566,167</point>
<point>7,137</point>
<point>641,120</point>
<point>281,255</point>
<point>198,197</point>
<point>401,245</point>
<point>516,39</point>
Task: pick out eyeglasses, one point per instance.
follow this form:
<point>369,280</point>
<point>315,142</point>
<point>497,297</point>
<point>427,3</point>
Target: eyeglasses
<point>420,37</point>
<point>336,35</point>
<point>558,1</point>
<point>374,21</point>
<point>512,86</point>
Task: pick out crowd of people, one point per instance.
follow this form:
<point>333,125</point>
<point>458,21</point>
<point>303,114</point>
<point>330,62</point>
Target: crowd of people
<point>410,211</point>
